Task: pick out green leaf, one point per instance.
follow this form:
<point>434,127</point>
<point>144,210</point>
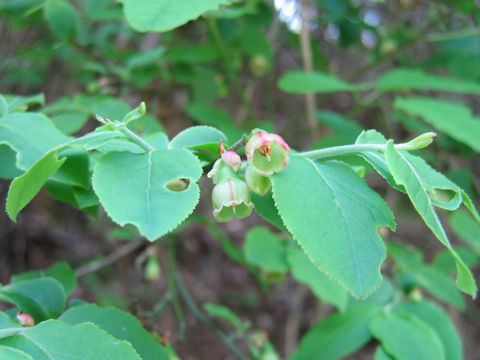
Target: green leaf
<point>337,224</point>
<point>337,335</point>
<point>120,325</point>
<point>41,298</point>
<point>450,118</point>
<point>62,18</point>
<point>440,322</point>
<point>342,125</point>
<point>216,117</point>
<point>3,106</point>
<point>163,15</point>
<point>85,199</point>
<point>376,159</point>
<point>404,79</point>
<point>61,192</point>
<point>196,136</point>
<point>8,170</point>
<point>405,257</point>
<point>24,188</point>
<point>224,313</point>
<point>442,191</point>
<point>60,271</point>
<point>444,262</point>
<point>193,53</point>
<point>13,354</point>
<point>96,139</point>
<point>56,340</point>
<point>466,228</point>
<point>70,122</point>
<point>134,114</point>
<point>300,82</point>
<point>158,140</point>
<point>437,283</point>
<point>143,200</point>
<point>18,103</point>
<point>406,337</point>
<point>406,175</point>
<point>31,135</point>
<point>6,322</point>
<point>305,272</point>
<point>146,58</point>
<point>76,169</point>
<point>380,354</point>
<point>265,249</point>
<point>265,207</point>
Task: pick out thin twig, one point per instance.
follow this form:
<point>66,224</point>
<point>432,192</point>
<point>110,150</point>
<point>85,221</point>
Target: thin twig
<point>239,143</point>
<point>414,39</point>
<point>294,318</point>
<point>110,258</point>
<point>192,306</point>
<point>172,289</point>
<point>229,248</point>
<point>245,107</point>
<point>307,66</point>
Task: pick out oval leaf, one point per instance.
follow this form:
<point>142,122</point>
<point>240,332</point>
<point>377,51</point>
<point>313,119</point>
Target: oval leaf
<point>333,214</point>
<point>119,324</point>
<point>300,82</point>
<point>56,340</point>
<point>41,298</point>
<point>196,136</point>
<point>132,188</point>
<point>406,337</point>
<point>338,335</point>
<point>163,15</point>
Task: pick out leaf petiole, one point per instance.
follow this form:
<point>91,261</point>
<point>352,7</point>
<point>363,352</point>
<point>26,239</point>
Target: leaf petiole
<point>129,133</point>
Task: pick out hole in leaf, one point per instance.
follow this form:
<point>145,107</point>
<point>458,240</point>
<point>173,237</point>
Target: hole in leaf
<point>443,195</point>
<point>178,185</point>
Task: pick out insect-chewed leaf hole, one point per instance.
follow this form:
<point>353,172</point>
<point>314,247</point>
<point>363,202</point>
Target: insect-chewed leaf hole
<point>178,185</point>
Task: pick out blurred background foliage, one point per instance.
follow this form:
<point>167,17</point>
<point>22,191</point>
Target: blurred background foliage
<point>401,67</point>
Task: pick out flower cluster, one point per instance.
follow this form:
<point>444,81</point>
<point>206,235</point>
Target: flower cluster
<point>266,154</point>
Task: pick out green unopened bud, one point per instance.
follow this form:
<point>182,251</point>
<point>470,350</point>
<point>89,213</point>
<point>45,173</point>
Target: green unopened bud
<point>259,65</point>
<point>420,142</point>
<point>152,269</point>
<point>257,183</point>
<point>267,153</point>
<point>416,295</point>
<point>231,198</point>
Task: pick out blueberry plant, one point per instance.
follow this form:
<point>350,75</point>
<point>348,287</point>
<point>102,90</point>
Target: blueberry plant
<point>323,223</point>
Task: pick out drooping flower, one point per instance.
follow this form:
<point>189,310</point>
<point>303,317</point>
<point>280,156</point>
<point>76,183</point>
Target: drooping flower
<point>267,153</point>
<point>231,198</point>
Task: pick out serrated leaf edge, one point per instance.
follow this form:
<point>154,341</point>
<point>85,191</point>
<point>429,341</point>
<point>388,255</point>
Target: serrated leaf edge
<point>322,269</point>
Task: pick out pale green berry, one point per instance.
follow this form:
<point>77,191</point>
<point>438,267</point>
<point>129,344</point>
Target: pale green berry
<point>257,183</point>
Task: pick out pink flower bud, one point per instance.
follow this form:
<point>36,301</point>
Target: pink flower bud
<point>25,319</point>
<point>228,164</point>
<point>267,153</point>
<point>231,198</point>
<point>232,159</point>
